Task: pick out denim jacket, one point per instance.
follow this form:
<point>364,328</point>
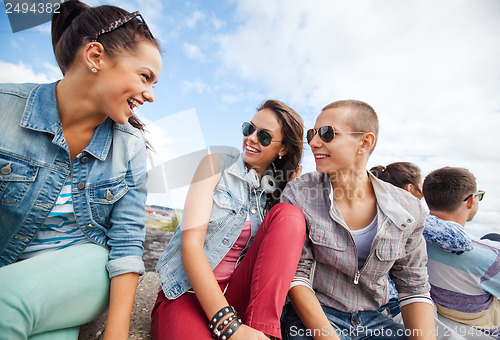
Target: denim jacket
<point>329,258</point>
<point>232,202</point>
<point>108,178</point>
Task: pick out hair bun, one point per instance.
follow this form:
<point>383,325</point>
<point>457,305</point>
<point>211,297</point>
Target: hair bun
<point>61,20</point>
<point>378,170</point>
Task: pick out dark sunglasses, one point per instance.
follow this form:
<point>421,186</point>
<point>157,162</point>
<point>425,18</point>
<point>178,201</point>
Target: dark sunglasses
<point>120,22</point>
<point>479,194</point>
<point>326,133</point>
<point>264,137</point>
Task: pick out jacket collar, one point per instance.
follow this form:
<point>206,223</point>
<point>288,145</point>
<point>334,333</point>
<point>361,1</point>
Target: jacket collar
<point>389,206</point>
<point>41,114</point>
<point>385,202</point>
<point>238,168</point>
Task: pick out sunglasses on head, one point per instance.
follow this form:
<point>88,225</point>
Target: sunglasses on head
<point>264,137</point>
<point>326,133</point>
<point>479,194</point>
<point>120,22</point>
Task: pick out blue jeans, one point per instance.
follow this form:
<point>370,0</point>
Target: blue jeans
<point>376,324</point>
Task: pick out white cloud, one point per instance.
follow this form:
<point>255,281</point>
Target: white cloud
<point>216,22</point>
<point>193,52</point>
<point>196,85</point>
<point>44,28</point>
<point>195,17</point>
<point>429,69</point>
<point>16,43</point>
<point>233,97</point>
<point>21,73</point>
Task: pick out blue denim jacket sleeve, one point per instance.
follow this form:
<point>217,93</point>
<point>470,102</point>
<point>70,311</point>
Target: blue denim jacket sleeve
<point>108,178</point>
<point>127,234</point>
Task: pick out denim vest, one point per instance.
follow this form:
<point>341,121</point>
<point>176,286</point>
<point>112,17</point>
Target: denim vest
<point>232,202</point>
<point>108,178</point>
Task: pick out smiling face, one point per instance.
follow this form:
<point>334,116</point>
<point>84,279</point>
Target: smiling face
<point>254,154</point>
<point>342,153</point>
<point>126,82</point>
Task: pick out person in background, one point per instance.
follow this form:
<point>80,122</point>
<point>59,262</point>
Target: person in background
<point>359,231</point>
<point>227,269</point>
<point>464,272</point>
<point>404,175</point>
<point>73,178</point>
<point>407,176</point>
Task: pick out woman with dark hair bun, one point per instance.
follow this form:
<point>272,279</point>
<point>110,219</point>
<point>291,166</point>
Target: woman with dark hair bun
<point>73,178</point>
<point>404,175</point>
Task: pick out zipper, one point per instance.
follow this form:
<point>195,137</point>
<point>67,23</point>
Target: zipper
<point>356,277</point>
<point>376,240</point>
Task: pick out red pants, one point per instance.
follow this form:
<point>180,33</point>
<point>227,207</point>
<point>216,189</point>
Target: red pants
<point>258,286</point>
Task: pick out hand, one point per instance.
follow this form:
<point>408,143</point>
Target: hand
<point>297,173</point>
<point>245,332</point>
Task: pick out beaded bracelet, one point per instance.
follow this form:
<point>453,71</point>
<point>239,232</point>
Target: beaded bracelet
<point>233,326</point>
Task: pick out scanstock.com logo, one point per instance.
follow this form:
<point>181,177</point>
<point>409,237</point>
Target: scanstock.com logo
<point>25,14</point>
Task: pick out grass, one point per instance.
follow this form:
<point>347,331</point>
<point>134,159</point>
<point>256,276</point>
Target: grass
<point>166,226</point>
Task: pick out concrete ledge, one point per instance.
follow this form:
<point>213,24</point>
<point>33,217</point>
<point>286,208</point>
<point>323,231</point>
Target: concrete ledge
<point>140,323</point>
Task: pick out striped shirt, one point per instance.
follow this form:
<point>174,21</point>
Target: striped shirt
<point>59,230</point>
<point>465,281</point>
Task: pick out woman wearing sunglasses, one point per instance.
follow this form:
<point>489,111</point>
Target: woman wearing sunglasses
<point>73,178</point>
<point>226,271</point>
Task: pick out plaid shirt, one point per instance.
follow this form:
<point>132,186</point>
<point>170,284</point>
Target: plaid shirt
<point>329,258</point>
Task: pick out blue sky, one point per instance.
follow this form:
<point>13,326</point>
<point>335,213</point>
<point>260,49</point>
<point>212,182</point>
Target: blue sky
<point>429,68</point>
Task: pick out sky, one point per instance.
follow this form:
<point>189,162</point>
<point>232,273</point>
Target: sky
<point>431,70</point>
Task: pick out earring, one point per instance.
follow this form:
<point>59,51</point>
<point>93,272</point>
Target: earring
<point>94,70</point>
<point>91,45</point>
<point>280,157</point>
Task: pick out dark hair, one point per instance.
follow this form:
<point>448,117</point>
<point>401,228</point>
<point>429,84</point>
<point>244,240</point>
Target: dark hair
<point>76,24</point>
<point>364,118</point>
<point>446,188</point>
<point>399,174</point>
<point>292,130</point>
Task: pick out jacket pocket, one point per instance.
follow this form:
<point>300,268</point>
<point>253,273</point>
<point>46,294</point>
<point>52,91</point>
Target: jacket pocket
<point>15,178</point>
<point>224,206</point>
<point>329,246</point>
<point>104,195</point>
<point>223,199</point>
<point>326,235</point>
<point>387,252</point>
